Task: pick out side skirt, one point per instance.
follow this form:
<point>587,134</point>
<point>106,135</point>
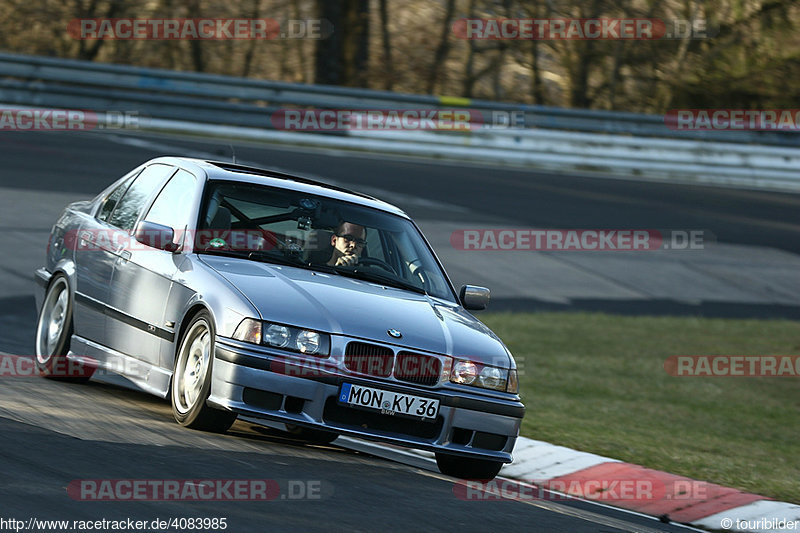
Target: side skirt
<point>150,378</point>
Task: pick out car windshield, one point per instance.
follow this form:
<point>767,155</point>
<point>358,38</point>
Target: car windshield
<point>299,229</point>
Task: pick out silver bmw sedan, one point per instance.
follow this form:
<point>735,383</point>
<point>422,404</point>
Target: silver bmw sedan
<point>237,290</point>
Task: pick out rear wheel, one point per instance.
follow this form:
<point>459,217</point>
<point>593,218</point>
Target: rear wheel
<point>53,333</point>
<point>467,468</point>
<point>191,379</point>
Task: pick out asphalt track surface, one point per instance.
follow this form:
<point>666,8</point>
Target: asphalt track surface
<point>52,433</point>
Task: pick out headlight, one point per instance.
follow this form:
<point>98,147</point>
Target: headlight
<point>492,378</point>
<point>464,372</point>
<point>488,377</point>
<point>300,340</point>
<point>290,338</point>
<point>277,336</point>
<point>308,342</point>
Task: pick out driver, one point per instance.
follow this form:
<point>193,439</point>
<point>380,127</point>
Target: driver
<point>348,241</point>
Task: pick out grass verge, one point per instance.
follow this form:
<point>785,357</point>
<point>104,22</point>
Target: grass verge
<point>597,383</point>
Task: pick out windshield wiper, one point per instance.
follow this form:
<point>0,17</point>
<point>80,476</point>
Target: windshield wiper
<point>230,253</point>
<point>271,257</point>
<point>291,260</point>
<point>382,279</point>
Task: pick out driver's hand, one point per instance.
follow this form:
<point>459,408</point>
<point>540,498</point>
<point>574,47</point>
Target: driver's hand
<point>347,260</point>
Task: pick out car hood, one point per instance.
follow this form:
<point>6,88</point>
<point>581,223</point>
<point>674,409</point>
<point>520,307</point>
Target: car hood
<point>355,308</point>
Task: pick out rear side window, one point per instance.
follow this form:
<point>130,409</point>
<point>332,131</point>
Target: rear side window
<point>128,209</point>
<point>111,200</point>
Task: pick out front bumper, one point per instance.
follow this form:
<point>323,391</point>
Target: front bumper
<point>244,380</point>
<point>42,278</point>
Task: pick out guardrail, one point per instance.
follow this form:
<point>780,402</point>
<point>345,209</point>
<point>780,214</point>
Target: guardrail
<point>630,144</point>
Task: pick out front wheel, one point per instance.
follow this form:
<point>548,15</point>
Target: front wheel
<point>191,380</point>
<point>53,334</point>
<point>467,468</point>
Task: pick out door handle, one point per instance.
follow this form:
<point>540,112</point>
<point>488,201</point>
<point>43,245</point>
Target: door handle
<point>86,237</point>
<point>124,256</point>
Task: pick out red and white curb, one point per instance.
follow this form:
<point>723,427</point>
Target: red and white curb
<point>668,496</point>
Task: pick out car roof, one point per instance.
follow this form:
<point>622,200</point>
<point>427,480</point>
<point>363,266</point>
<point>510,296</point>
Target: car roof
<point>218,170</point>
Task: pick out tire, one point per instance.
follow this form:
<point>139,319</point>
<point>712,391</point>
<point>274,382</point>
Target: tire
<point>191,379</point>
<point>53,334</point>
<point>467,468</point>
<point>315,436</point>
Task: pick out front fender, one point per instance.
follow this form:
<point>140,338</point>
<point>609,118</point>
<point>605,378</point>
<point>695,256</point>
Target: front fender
<point>42,278</point>
<point>196,287</point>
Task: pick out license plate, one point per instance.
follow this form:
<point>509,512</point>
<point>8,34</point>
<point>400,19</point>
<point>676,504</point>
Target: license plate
<point>388,402</point>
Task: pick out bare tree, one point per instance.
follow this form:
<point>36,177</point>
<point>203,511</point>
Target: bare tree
<point>585,56</point>
<point>341,59</point>
<point>750,61</point>
<point>443,48</point>
<point>91,9</point>
<point>255,12</point>
<point>388,82</point>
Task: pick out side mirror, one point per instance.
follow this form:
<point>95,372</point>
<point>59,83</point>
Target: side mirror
<point>474,298</point>
<point>156,236</point>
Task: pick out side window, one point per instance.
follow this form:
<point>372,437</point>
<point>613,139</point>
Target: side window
<point>129,208</point>
<point>173,207</point>
<point>111,201</point>
<point>174,203</point>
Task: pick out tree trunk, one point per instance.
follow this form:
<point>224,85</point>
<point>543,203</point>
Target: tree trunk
<point>537,91</point>
<point>341,59</point>
<point>579,86</point>
<point>499,93</point>
<point>251,47</point>
<point>86,51</point>
<point>388,67</point>
<point>300,44</point>
<point>443,48</point>
<point>469,66</point>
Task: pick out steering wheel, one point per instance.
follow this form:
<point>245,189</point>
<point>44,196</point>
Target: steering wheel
<point>371,261</point>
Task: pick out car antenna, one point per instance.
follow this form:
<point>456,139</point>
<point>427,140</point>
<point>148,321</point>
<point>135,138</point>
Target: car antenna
<point>233,154</point>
